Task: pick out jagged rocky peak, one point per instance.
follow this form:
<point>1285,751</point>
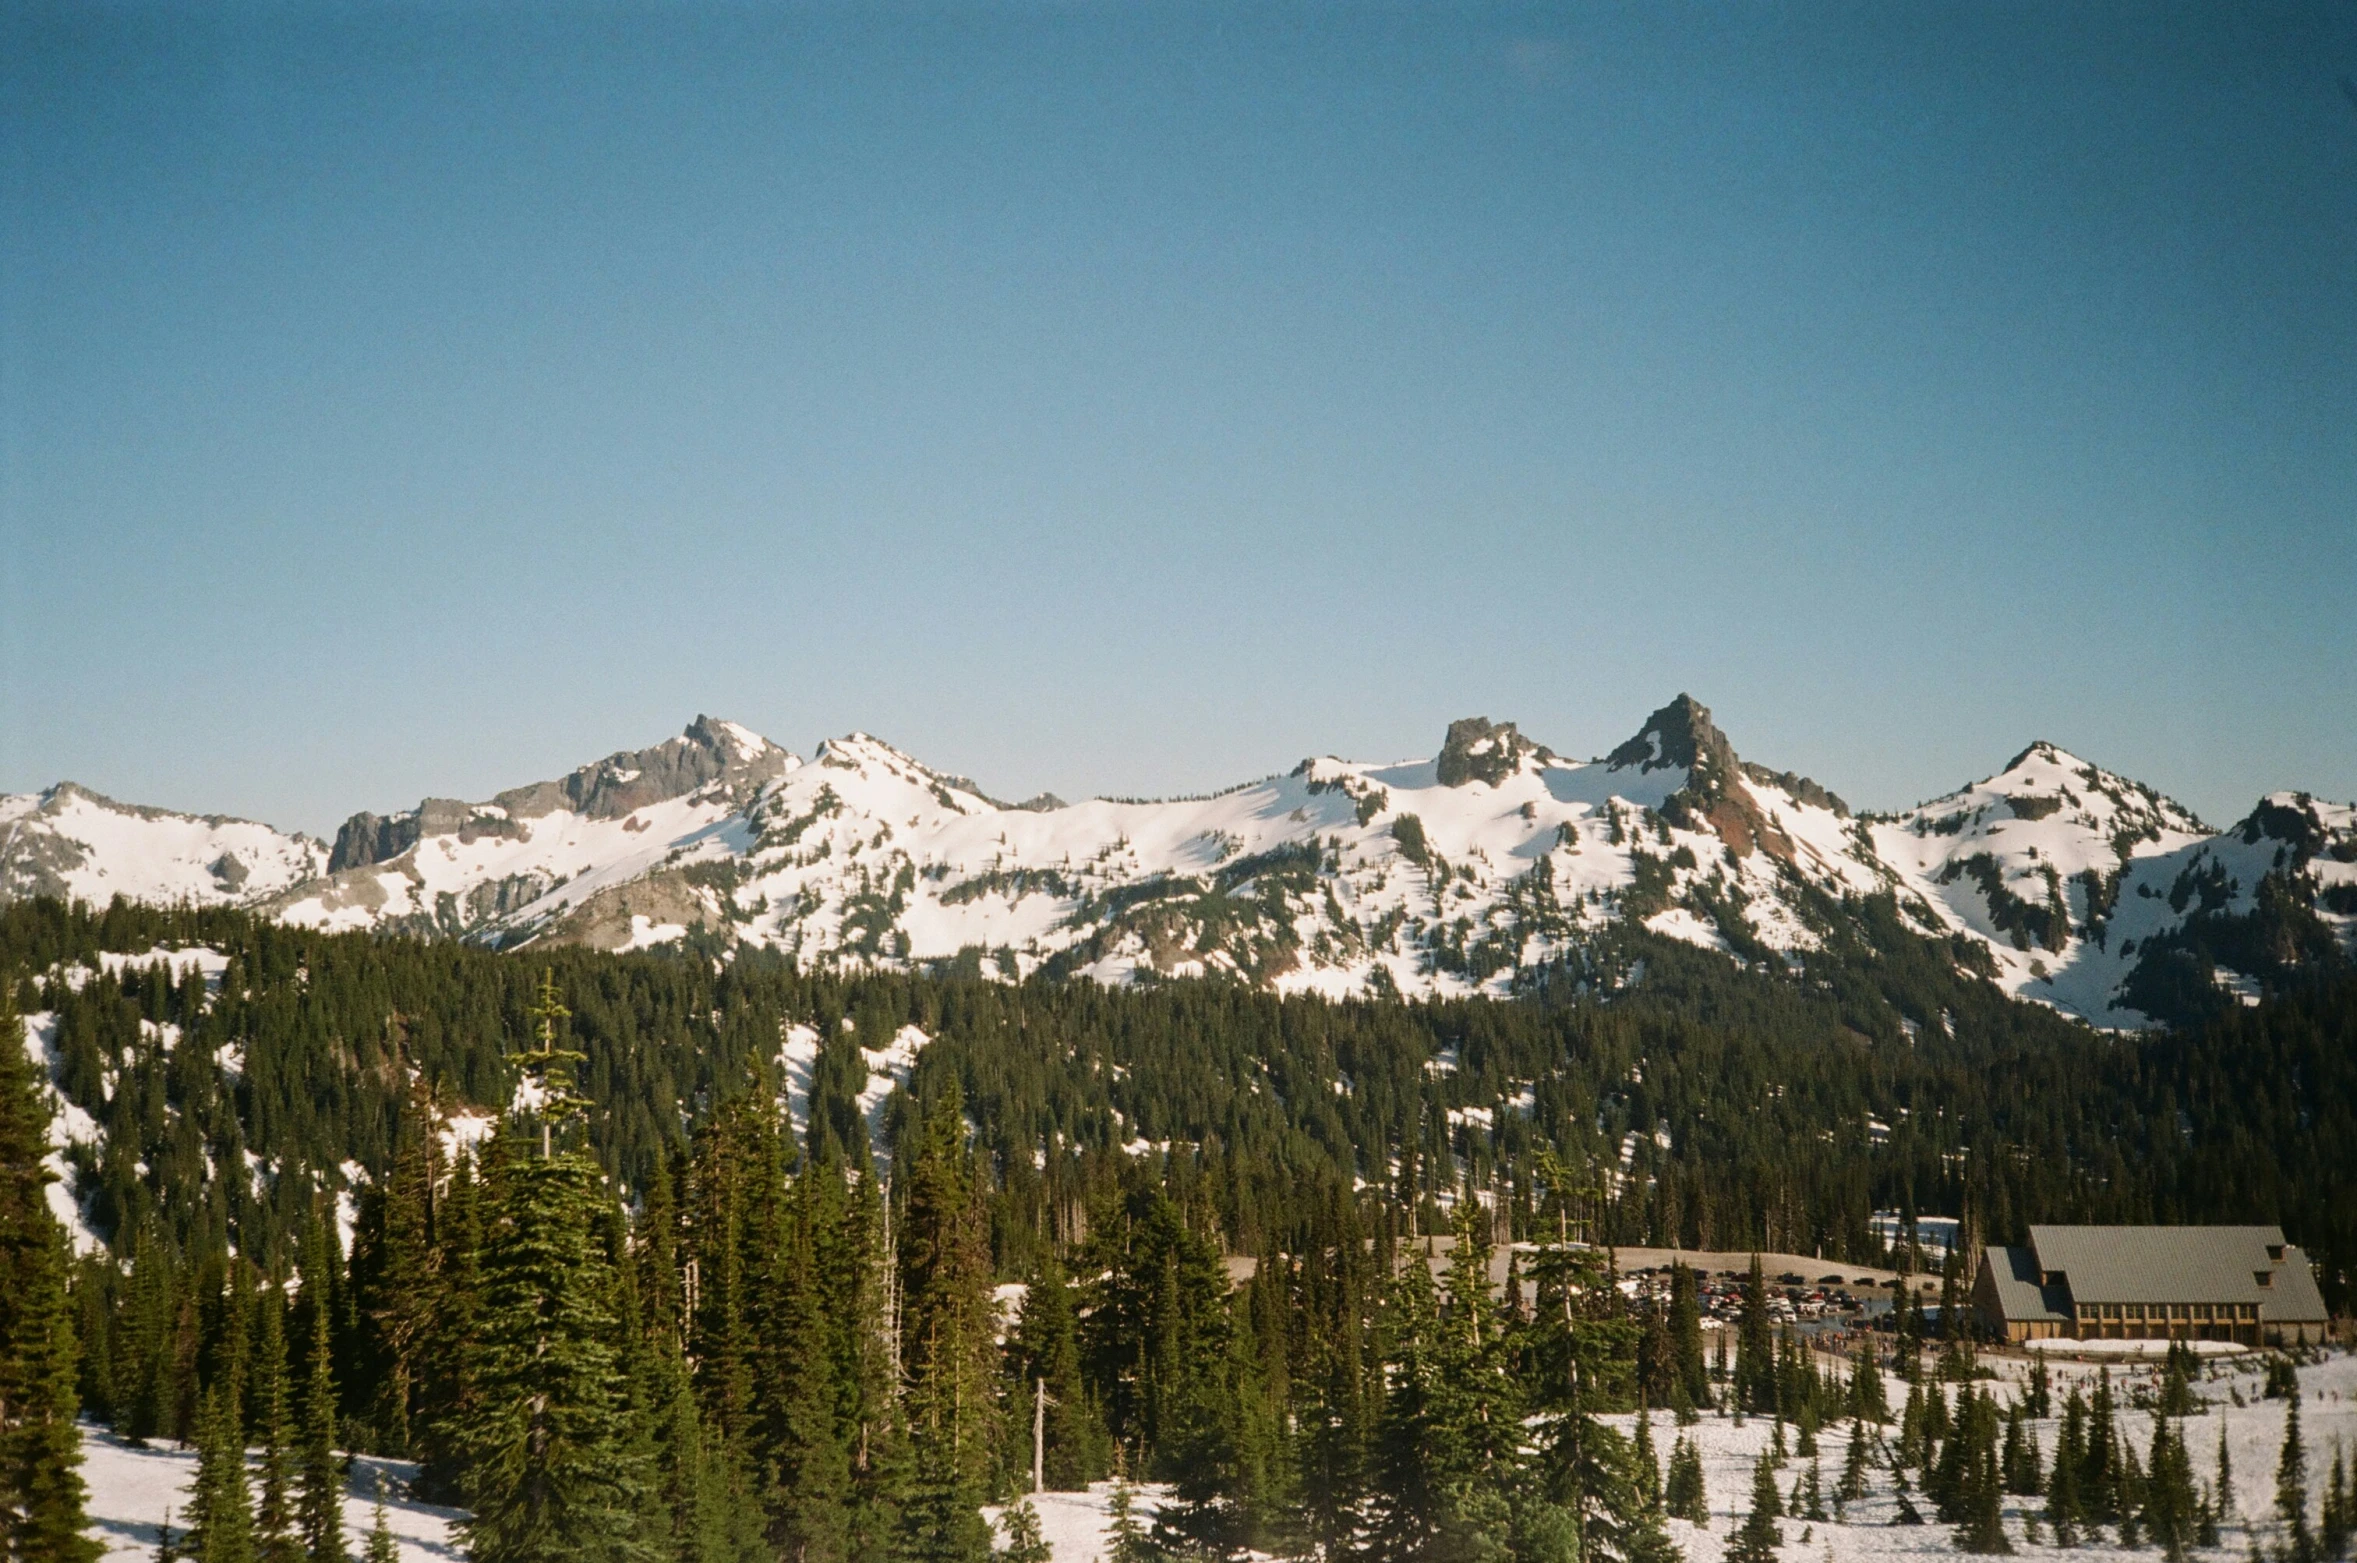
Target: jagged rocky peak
<point>1478,749</point>
<point>1679,736</point>
<point>709,752</point>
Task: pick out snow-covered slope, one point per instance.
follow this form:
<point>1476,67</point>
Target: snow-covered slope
<point>1462,873</point>
<point>72,843</point>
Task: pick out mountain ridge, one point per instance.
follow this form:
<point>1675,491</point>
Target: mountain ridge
<point>1474,871</point>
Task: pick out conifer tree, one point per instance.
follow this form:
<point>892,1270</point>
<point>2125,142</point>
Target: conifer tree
<point>1810,1503</point>
<point>946,1345</point>
<point>1866,1395</point>
<point>2100,1468</point>
<point>1755,1346</point>
<point>41,1492</point>
<point>2339,1522</point>
<point>1683,1497</point>
<point>1025,1542</point>
<point>220,1508</point>
<point>1644,1461</point>
<point>2171,1511</point>
<point>2291,1486</point>
<point>276,1535</point>
<point>2019,1461</point>
<point>320,1507</point>
<point>1130,1543</point>
<point>551,1473</point>
<point>381,1548</point>
<point>1980,1502</point>
<point>1852,1488</point>
<point>2065,1508</point>
<point>445,1394</point>
<point>2223,1496</point>
<point>1689,1377</point>
<point>800,1395</point>
<point>1044,1356</point>
<point>2129,1496</point>
<point>1758,1537</point>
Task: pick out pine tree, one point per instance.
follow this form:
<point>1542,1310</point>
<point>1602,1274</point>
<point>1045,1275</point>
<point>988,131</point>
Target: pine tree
<point>1811,1503</point>
<point>2065,1509</point>
<point>1981,1500</point>
<point>382,1548</point>
<point>276,1536</point>
<point>2339,1522</point>
<point>1025,1543</point>
<point>220,1509</point>
<point>320,1506</point>
<point>1645,1462</point>
<point>1130,1544</point>
<point>1758,1537</point>
<point>41,1492</point>
<point>1755,1348</point>
<point>946,1344</point>
<point>1852,1488</point>
<point>1683,1495</point>
<point>1689,1377</point>
<point>1044,1354</point>
<point>1866,1397</point>
<point>552,1476</point>
<point>2100,1468</point>
<point>2224,1490</point>
<point>2172,1508</point>
<point>2291,1487</point>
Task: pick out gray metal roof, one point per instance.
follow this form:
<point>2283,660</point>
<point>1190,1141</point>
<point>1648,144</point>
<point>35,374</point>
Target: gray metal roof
<point>2022,1296</point>
<point>2180,1264</point>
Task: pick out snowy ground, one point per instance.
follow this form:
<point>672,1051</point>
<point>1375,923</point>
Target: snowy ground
<point>131,1489</point>
<point>2254,1437</point>
<point>1077,1524</point>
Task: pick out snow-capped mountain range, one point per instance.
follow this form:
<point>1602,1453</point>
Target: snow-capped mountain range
<point>1468,872</point>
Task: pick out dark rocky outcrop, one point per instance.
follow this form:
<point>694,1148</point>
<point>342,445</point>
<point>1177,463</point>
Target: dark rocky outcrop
<point>1478,749</point>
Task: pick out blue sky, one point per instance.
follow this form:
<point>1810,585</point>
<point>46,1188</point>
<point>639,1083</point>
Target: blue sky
<point>1135,398</point>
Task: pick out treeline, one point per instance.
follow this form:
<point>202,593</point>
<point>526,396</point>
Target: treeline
<point>1701,1105</point>
<point>708,1329</point>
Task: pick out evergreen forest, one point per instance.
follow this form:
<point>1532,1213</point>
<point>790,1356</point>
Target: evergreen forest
<point>565,1229</point>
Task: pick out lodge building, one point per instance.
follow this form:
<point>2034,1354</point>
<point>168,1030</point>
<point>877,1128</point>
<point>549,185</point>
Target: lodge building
<point>2242,1284</point>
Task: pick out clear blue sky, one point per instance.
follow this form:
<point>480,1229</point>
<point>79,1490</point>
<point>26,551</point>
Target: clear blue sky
<point>1135,398</point>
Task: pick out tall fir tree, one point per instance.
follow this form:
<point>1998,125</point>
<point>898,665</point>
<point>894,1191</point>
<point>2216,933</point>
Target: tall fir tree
<point>946,1344</point>
<point>2291,1486</point>
<point>277,1536</point>
<point>551,1473</point>
<point>320,1506</point>
<point>220,1506</point>
<point>1757,1539</point>
<point>41,1491</point>
<point>1043,1355</point>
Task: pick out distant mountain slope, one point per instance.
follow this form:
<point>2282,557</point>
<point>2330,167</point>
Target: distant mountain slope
<point>1463,873</point>
<point>72,843</point>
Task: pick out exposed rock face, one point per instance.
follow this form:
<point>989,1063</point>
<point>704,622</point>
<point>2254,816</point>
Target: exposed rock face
<point>709,751</point>
<point>1478,749</point>
<point>1714,797</point>
<point>1679,735</point>
<point>371,838</point>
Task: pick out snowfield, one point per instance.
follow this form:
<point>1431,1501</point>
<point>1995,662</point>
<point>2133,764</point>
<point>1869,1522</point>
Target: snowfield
<point>2254,1433</point>
<point>132,1491</point>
